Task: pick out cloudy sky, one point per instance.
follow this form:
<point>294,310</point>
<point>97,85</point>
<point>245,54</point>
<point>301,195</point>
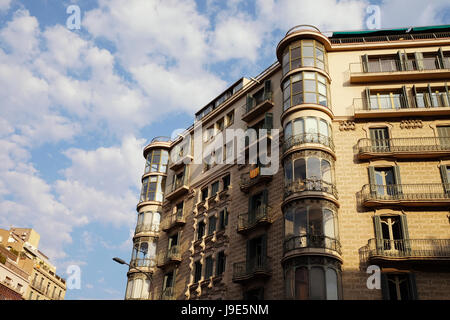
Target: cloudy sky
<point>78,106</point>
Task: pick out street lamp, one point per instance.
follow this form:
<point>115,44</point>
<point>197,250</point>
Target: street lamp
<point>147,274</point>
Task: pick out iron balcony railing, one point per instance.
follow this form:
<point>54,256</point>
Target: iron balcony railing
<point>406,192</point>
<point>254,176</point>
<point>406,248</point>
<point>248,268</point>
<point>267,96</point>
<point>146,263</point>
<point>396,102</point>
<point>311,184</point>
<point>396,65</point>
<point>173,219</point>
<point>299,139</point>
<point>171,254</point>
<point>168,294</point>
<point>420,144</point>
<point>312,241</point>
<point>179,183</point>
<point>161,139</point>
<point>394,37</point>
<point>147,227</point>
<point>249,220</point>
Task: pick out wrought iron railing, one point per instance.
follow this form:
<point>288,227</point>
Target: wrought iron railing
<point>425,248</point>
<point>249,220</point>
<point>397,102</point>
<point>147,227</point>
<point>300,185</point>
<point>172,219</point>
<point>394,37</point>
<point>312,241</point>
<point>161,139</point>
<point>267,96</point>
<point>252,266</point>
<point>420,144</point>
<point>406,192</point>
<point>179,183</point>
<point>299,139</point>
<point>146,263</point>
<point>168,294</point>
<point>174,253</point>
<point>396,65</point>
<point>249,177</point>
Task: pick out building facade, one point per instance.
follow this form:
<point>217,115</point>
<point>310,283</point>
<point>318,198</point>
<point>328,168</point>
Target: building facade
<point>357,125</point>
<point>25,270</point>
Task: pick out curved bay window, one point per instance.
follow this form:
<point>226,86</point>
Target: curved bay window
<point>309,171</point>
<point>148,221</point>
<point>311,224</point>
<point>307,130</point>
<point>305,87</point>
<point>153,188</point>
<point>304,53</point>
<point>144,252</point>
<point>157,161</point>
<point>137,288</point>
<point>313,278</point>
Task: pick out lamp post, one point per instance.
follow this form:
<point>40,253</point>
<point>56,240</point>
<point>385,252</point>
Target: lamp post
<point>147,274</point>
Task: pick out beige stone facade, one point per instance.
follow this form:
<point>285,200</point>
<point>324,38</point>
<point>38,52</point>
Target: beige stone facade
<point>363,179</point>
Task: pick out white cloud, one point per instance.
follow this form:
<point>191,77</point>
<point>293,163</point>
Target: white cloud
<point>4,5</point>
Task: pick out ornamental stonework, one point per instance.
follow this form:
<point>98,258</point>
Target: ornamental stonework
<point>346,125</point>
<point>411,124</point>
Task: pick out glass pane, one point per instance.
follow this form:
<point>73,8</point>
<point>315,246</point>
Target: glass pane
<point>289,223</point>
<point>289,284</point>
<point>297,99</point>
<point>313,168</point>
<point>286,94</point>
<point>323,128</point>
<point>308,62</point>
<point>295,53</point>
<point>319,54</point>
<point>137,288</point>
<point>310,85</point>
<point>288,171</point>
<point>297,87</point>
<point>311,97</point>
<point>301,284</point>
<point>308,51</point>
<point>317,283</point>
<point>328,218</point>
<point>315,221</point>
<point>288,131</point>
<point>296,64</point>
<point>326,171</point>
<point>332,289</point>
<point>285,59</point>
<point>298,126</point>
<point>156,220</point>
<point>300,223</point>
<point>311,125</point>
<point>299,169</point>
<point>296,77</point>
<point>309,75</point>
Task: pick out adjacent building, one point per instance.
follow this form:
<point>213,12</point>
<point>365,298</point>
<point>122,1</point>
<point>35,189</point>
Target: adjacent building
<point>358,126</point>
<point>25,272</point>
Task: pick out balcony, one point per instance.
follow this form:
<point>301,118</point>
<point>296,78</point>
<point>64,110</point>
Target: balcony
<point>257,108</point>
<point>143,263</point>
<point>406,250</point>
<point>403,148</point>
<point>179,188</point>
<point>172,221</point>
<point>182,159</point>
<point>148,227</point>
<point>310,188</point>
<point>168,294</point>
<point>311,244</point>
<point>172,256</point>
<point>390,69</point>
<point>408,195</point>
<point>396,106</point>
<point>253,178</point>
<point>306,140</point>
<point>262,216</point>
<point>255,268</point>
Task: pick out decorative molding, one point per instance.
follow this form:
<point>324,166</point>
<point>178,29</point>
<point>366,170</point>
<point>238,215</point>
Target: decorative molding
<point>411,124</point>
<point>346,125</point>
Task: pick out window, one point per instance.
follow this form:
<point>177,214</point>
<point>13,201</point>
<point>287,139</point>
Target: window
<point>309,173</point>
<point>179,209</point>
<point>204,194</point>
<point>229,119</point>
<point>257,253</point>
<point>209,133</point>
<point>137,289</point>
<point>168,284</point>
<point>305,87</point>
<point>311,224</point>
<point>379,138</point>
<point>391,234</point>
<point>257,206</point>
<point>431,97</point>
<point>212,222</point>
<point>400,286</point>
<point>445,175</point>
<point>220,125</point>
<point>387,100</point>
<point>208,267</point>
<point>304,53</point>
<point>148,221</point>
<point>197,271</point>
<point>313,279</point>
<point>385,181</point>
<point>220,267</point>
<point>223,219</point>
<point>153,188</point>
<point>200,229</point>
<point>226,182</point>
<point>307,130</point>
<point>157,161</point>
<point>214,188</point>
<point>144,252</point>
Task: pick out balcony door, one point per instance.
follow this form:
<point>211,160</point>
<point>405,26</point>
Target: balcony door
<point>380,139</point>
<point>392,235</point>
<point>256,253</point>
<point>257,206</point>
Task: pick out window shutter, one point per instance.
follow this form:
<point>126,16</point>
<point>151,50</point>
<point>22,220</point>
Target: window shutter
<point>398,181</point>
<point>401,61</point>
<point>385,287</point>
<point>365,63</point>
<point>441,58</point>
<point>405,233</point>
<point>447,103</point>
<point>444,176</point>
<point>429,97</point>
<point>367,105</point>
<point>378,234</point>
<point>372,180</point>
<point>405,98</point>
<point>268,121</point>
<point>418,56</point>
<point>414,89</point>
<point>267,91</point>
<point>249,102</point>
<point>412,287</point>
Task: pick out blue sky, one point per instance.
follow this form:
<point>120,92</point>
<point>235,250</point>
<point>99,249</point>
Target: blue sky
<point>78,106</point>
